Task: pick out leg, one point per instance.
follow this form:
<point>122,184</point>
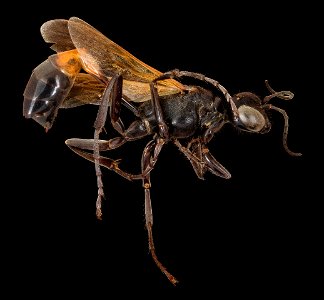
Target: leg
<point>201,77</point>
<point>163,129</point>
<point>202,160</point>
<point>150,155</point>
<point>135,131</point>
<point>112,100</point>
<point>194,157</point>
<point>111,95</point>
<point>213,165</point>
<point>106,162</point>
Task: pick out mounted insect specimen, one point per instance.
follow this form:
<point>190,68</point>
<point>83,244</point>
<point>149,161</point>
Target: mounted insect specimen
<point>89,68</point>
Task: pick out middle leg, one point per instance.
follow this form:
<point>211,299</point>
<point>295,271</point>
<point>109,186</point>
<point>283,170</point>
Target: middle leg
<point>149,158</point>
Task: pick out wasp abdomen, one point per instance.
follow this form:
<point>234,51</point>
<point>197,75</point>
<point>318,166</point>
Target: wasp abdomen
<point>48,86</point>
<point>45,91</point>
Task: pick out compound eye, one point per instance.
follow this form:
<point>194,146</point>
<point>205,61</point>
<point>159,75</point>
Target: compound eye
<point>251,119</point>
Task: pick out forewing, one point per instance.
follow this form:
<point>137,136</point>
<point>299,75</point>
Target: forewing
<point>103,57</point>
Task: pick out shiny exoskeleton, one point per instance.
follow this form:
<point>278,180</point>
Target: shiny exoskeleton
<point>193,117</point>
<point>48,86</point>
<point>186,115</point>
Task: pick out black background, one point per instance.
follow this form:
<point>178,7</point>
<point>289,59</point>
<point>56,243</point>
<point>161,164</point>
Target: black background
<point>250,235</point>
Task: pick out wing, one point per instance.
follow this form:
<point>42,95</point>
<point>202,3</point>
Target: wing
<point>57,33</point>
<point>85,90</point>
<point>102,57</point>
<point>88,90</point>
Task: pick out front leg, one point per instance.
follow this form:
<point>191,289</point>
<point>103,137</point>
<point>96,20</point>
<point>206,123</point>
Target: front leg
<point>202,160</point>
<point>194,156</point>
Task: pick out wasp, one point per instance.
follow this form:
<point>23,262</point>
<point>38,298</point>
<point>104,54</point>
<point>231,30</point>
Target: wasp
<point>89,68</point>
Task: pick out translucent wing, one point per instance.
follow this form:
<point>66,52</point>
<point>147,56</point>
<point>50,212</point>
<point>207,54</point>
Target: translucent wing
<point>107,58</point>
<point>85,90</point>
<point>102,57</point>
<point>88,90</point>
<point>57,33</point>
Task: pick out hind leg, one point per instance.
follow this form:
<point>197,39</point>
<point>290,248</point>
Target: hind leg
<point>111,102</point>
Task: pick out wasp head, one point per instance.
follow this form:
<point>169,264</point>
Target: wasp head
<point>252,113</point>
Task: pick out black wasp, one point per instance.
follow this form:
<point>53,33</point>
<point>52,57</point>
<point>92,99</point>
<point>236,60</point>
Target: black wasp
<point>89,68</point>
